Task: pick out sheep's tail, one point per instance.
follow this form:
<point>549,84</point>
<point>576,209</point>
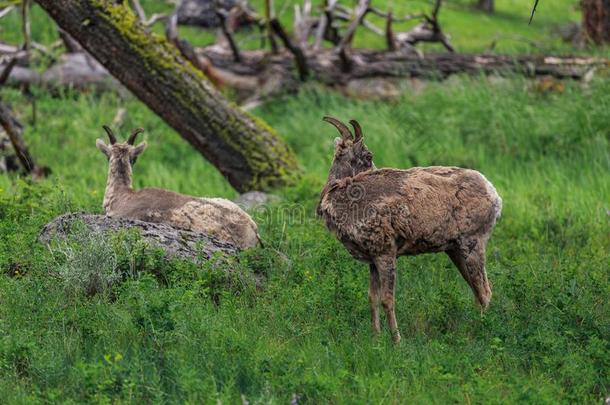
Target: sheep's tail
<point>497,200</point>
<point>260,240</point>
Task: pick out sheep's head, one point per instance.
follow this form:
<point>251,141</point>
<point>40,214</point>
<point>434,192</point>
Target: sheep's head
<point>125,152</point>
<point>351,154</point>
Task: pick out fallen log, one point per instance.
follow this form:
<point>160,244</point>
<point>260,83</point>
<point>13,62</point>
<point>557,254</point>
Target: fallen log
<point>76,70</point>
<point>325,65</point>
<point>262,75</point>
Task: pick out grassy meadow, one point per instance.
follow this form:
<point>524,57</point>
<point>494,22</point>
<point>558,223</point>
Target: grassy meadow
<point>175,332</point>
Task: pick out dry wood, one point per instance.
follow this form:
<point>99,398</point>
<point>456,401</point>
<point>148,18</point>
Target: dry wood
<point>324,66</point>
<point>227,31</point>
<point>361,10</point>
<point>299,56</point>
<point>139,10</point>
<point>325,28</point>
<point>6,11</point>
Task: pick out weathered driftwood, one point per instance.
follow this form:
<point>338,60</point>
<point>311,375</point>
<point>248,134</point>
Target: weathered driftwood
<point>261,75</point>
<point>177,243</point>
<point>325,65</point>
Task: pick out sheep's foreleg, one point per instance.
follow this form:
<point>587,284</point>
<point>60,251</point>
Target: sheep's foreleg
<point>374,297</point>
<point>471,263</point>
<point>386,265</point>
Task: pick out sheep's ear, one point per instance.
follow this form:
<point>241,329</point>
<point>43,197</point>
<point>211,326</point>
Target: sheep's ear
<point>138,149</point>
<point>103,147</point>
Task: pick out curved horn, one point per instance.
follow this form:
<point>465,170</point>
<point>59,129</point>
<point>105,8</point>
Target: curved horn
<point>134,133</point>
<point>357,130</point>
<point>343,129</point>
<point>110,134</point>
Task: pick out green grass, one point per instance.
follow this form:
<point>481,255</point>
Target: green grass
<point>176,332</point>
<point>470,30</point>
<point>544,338</point>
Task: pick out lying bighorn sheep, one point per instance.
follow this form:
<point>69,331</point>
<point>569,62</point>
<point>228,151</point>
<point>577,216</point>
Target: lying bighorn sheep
<point>216,217</point>
<point>380,214</point>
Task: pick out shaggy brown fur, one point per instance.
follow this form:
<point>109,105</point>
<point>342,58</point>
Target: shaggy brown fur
<point>216,217</point>
<point>379,215</point>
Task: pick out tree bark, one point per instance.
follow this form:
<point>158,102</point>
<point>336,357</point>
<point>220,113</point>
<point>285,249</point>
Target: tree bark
<point>245,150</point>
<point>596,20</point>
<point>486,5</point>
<point>325,66</point>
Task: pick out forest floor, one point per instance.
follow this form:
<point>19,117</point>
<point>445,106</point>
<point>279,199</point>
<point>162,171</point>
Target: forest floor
<point>176,332</point>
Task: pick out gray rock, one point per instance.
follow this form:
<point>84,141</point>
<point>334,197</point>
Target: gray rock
<point>374,89</point>
<point>254,199</point>
<point>178,243</point>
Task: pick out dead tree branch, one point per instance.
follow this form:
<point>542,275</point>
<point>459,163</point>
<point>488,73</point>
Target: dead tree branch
<point>137,7</point>
<point>325,29</point>
<point>361,10</point>
<point>299,57</point>
<point>227,31</point>
<point>14,129</point>
<point>7,10</point>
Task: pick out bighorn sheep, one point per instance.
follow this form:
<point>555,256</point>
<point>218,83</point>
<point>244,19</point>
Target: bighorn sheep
<point>381,214</point>
<point>216,217</point>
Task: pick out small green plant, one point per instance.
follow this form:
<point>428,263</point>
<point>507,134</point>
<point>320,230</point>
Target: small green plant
<point>87,262</point>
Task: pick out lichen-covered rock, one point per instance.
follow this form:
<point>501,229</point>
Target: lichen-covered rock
<point>177,243</point>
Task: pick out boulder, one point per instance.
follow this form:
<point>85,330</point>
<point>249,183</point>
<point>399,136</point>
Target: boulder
<point>177,243</point>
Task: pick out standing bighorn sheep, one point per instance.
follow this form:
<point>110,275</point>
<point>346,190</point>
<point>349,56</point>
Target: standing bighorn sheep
<point>381,214</point>
<point>216,217</point>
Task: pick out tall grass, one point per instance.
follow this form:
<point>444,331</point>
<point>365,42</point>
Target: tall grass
<point>307,333</point>
<point>177,332</point>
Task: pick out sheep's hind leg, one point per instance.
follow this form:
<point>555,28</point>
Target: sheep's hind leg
<point>386,265</point>
<point>469,258</point>
<point>374,298</point>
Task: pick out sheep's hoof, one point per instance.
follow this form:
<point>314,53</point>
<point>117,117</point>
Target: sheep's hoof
<point>396,337</point>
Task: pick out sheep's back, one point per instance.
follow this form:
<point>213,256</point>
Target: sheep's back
<point>216,217</point>
<point>420,209</point>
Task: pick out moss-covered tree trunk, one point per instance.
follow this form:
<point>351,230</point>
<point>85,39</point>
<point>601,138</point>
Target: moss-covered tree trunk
<point>245,150</point>
<point>596,20</point>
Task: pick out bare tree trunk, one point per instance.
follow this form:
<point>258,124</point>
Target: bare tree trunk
<point>486,5</point>
<point>596,20</point>
<point>244,149</point>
